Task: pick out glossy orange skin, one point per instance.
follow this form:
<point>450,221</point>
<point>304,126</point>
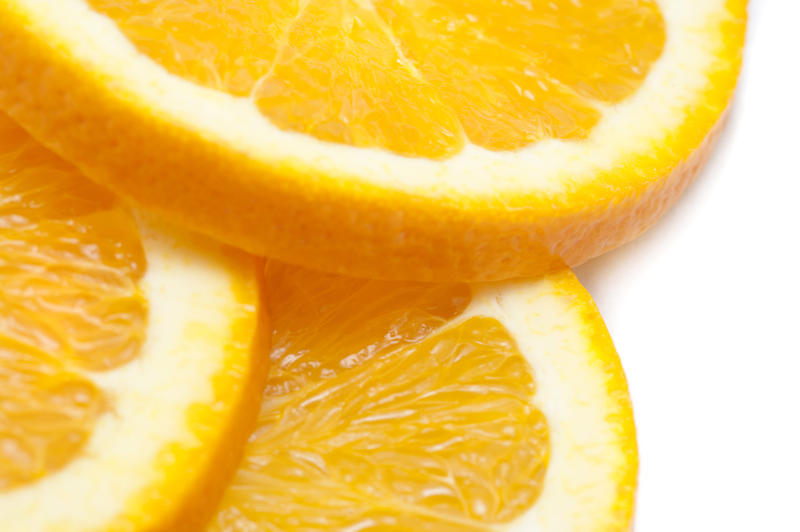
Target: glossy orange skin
<point>382,233</point>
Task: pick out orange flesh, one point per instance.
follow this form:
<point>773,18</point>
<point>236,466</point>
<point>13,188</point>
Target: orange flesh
<point>69,304</point>
<point>416,77</point>
<point>379,418</point>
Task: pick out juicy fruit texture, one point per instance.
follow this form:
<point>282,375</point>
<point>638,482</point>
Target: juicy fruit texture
<point>417,77</point>
<point>83,83</point>
<point>376,417</point>
<point>70,260</point>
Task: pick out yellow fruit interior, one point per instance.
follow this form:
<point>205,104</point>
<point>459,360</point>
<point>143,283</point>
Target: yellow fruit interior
<point>417,77</point>
<point>380,414</point>
<point>70,259</point>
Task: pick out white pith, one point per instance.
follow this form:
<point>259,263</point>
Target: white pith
<point>191,304</point>
<point>189,285</point>
<point>583,475</point>
<point>675,84</point>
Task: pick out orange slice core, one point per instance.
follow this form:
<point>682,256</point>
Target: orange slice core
<point>380,416</point>
<point>417,77</point>
<point>70,259</point>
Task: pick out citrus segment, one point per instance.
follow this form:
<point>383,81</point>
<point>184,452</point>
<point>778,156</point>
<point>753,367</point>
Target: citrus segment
<point>224,45</point>
<point>328,69</point>
<point>126,349</point>
<point>340,78</point>
<point>46,416</point>
<point>401,75</point>
<point>500,93</point>
<point>409,407</point>
<point>601,49</point>
<point>70,260</point>
<point>342,322</point>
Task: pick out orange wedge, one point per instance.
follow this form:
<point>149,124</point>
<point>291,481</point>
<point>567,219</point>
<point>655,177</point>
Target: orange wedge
<point>406,406</point>
<point>128,370</point>
<point>399,139</point>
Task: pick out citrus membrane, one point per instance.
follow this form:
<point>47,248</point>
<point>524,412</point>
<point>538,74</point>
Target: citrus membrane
<point>406,406</point>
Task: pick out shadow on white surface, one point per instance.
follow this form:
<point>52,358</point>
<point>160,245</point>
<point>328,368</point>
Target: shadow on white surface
<point>704,309</point>
<point>593,274</point>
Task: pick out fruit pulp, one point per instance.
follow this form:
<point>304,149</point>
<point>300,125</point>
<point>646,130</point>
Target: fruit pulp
<point>70,305</point>
<point>386,411</point>
<point>417,77</point>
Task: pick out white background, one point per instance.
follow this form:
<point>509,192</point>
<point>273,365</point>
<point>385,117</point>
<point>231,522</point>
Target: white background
<point>704,310</point>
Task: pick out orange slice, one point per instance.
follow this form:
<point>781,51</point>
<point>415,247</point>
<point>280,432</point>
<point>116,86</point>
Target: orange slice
<point>451,407</point>
<point>127,368</point>
<point>402,139</point>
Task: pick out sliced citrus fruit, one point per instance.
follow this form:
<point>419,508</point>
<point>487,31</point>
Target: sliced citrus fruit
<point>127,366</point>
<point>402,139</point>
<point>436,407</point>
